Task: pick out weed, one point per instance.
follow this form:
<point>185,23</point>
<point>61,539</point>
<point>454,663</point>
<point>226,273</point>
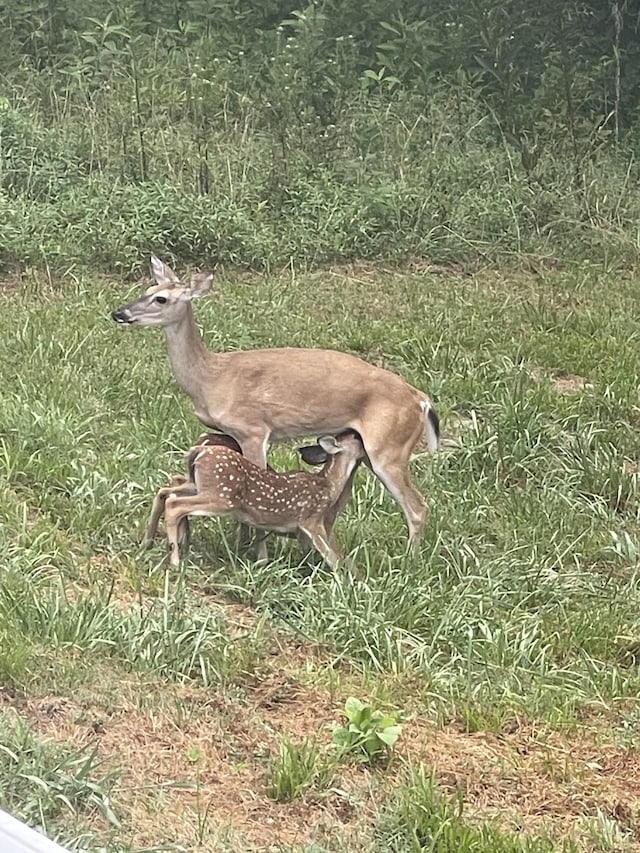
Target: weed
<point>43,782</point>
<point>422,818</point>
<point>606,833</point>
<point>368,735</point>
<point>299,767</point>
<point>195,758</point>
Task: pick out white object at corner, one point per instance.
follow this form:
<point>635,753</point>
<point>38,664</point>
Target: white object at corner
<point>17,837</point>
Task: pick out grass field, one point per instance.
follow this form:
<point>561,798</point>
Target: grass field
<point>146,709</point>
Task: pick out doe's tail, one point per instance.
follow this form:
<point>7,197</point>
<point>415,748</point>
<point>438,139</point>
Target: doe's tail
<point>431,425</point>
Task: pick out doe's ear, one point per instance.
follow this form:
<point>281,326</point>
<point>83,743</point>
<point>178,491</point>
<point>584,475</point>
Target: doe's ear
<point>329,444</point>
<point>163,273</point>
<point>200,284</point>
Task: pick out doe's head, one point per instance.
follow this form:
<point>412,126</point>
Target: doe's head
<point>165,301</point>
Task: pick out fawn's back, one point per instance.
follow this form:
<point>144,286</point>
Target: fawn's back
<point>281,501</point>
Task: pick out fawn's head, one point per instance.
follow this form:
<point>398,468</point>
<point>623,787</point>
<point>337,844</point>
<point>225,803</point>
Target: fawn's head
<point>329,447</point>
<point>166,301</point>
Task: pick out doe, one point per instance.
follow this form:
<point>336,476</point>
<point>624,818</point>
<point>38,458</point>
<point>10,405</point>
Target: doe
<point>265,395</point>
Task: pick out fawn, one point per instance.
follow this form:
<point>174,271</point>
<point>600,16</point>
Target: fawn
<point>223,482</point>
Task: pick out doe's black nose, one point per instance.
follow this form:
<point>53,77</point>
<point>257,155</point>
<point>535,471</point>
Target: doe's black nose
<point>119,315</point>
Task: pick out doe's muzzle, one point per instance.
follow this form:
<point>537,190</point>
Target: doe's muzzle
<point>121,315</point>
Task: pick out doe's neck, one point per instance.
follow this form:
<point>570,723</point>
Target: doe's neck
<point>187,353</point>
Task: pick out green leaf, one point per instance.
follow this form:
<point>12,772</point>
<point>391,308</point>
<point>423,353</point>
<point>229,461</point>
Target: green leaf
<point>383,721</point>
<point>389,735</point>
<point>388,27</point>
<point>365,717</point>
<point>341,735</point>
<point>353,706</point>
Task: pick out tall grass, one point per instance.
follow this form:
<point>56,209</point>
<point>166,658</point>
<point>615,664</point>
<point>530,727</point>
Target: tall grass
<point>46,784</point>
<point>386,180</point>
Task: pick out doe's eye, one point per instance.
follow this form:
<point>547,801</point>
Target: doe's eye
<point>160,299</point>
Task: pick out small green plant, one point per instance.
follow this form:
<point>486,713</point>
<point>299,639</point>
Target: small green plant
<point>367,735</point>
<point>298,767</point>
<point>422,817</point>
<point>606,833</point>
<point>195,758</point>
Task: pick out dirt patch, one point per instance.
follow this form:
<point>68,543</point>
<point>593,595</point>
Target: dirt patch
<point>565,383</point>
<point>571,384</point>
<point>457,425</point>
<point>206,756</point>
<point>194,764</point>
<point>535,780</point>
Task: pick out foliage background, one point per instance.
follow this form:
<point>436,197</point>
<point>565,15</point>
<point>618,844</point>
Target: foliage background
<point>270,133</point>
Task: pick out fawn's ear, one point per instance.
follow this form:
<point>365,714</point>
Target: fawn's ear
<point>329,444</point>
<point>313,454</point>
<point>200,284</point>
<point>163,273</point>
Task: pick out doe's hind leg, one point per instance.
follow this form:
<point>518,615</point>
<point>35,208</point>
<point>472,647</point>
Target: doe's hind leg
<point>397,479</point>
